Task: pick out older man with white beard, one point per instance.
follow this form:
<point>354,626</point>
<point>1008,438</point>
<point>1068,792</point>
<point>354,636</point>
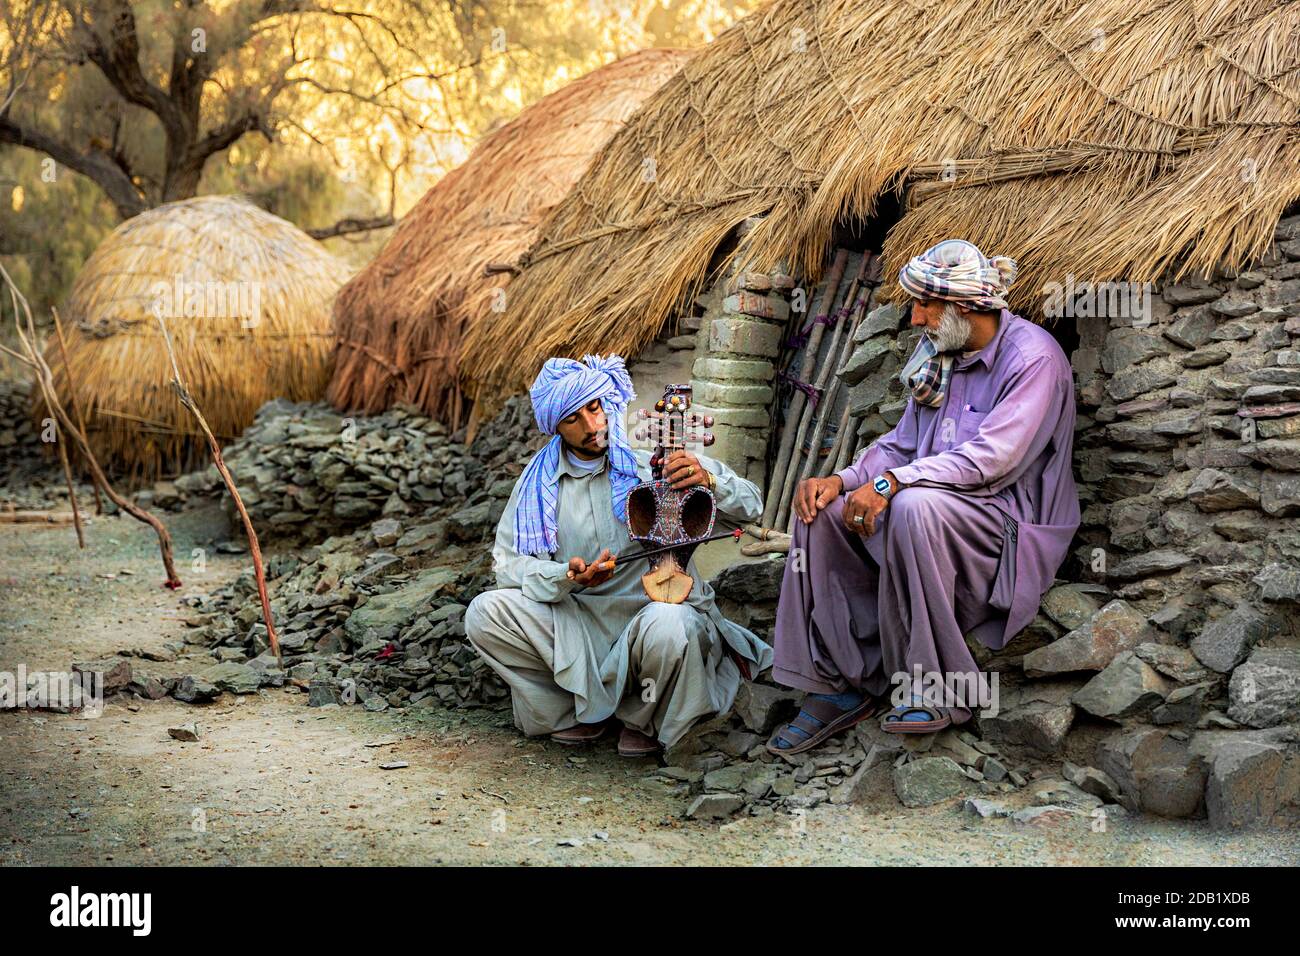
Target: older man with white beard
<point>954,523</point>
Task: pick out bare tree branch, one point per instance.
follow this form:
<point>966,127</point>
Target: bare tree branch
<point>347,226</point>
<point>389,64</point>
<point>97,166</point>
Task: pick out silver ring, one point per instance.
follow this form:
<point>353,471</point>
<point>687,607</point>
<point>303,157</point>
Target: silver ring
<point>857,519</point>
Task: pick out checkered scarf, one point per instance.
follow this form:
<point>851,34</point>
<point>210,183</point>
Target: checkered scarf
<point>927,372</point>
<point>955,271</point>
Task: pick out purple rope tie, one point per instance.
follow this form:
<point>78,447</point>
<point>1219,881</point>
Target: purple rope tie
<point>800,338</point>
<point>813,393</point>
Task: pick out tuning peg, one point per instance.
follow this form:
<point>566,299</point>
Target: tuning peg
<point>707,421</point>
<point>640,434</point>
<point>643,413</point>
<point>707,439</point>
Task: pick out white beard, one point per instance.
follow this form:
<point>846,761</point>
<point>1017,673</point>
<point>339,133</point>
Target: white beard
<point>953,332</point>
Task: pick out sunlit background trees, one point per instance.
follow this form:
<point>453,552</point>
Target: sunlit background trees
<point>336,117</point>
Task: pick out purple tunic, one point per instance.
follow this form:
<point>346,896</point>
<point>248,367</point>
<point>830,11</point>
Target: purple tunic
<point>967,546</point>
<point>1005,432</point>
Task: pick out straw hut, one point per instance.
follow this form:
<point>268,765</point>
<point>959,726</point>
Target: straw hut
<point>1141,162</point>
<point>246,299</point>
<point>400,319</point>
<point>1099,139</point>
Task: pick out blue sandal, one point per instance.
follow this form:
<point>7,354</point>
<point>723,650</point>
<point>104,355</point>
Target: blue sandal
<point>817,721</point>
<point>918,718</point>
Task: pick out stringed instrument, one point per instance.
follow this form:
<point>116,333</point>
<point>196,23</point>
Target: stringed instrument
<point>670,523</point>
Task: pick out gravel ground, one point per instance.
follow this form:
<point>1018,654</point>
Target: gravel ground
<point>273,781</point>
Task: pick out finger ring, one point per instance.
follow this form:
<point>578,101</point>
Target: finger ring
<point>857,519</point>
<point>690,471</point>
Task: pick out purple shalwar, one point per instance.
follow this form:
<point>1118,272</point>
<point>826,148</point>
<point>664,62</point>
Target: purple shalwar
<point>984,516</point>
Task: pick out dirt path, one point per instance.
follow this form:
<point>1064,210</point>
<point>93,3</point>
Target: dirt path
<point>273,781</point>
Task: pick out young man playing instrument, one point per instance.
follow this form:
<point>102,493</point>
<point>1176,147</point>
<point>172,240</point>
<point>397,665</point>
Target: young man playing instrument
<point>569,628</point>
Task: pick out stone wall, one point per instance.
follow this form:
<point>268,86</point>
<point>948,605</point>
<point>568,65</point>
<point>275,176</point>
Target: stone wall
<point>1188,459</point>
<point>1188,443</point>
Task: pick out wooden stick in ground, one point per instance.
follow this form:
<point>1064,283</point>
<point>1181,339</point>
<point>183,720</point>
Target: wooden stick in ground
<point>827,385</point>
<point>72,488</point>
<point>798,399</point>
<point>809,411</point>
<point>835,358</point>
<point>76,400</point>
<point>254,548</point>
<point>31,355</point>
<point>830,463</point>
<point>67,476</point>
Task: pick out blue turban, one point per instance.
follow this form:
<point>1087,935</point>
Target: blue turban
<point>562,387</point>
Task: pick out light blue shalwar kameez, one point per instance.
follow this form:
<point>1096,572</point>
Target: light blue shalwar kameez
<point>580,655</point>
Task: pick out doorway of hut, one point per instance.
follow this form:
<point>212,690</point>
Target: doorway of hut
<point>836,383</point>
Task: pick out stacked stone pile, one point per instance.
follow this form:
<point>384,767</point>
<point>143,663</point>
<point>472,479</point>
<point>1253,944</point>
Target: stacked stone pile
<point>18,436</point>
<point>723,768</point>
<point>30,475</point>
<point>374,616</point>
<point>303,470</point>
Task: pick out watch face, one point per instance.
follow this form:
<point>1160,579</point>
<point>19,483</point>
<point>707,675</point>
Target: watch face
<point>882,485</point>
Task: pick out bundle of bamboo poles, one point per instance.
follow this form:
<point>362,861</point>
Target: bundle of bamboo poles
<point>814,329</point>
<point>843,298</point>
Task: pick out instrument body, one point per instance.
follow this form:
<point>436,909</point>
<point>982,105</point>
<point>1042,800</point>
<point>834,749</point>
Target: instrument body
<point>672,521</point>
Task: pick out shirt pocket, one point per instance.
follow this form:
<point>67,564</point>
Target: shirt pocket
<point>968,426</point>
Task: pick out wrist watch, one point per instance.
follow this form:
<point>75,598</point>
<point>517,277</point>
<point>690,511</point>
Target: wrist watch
<point>882,486</point>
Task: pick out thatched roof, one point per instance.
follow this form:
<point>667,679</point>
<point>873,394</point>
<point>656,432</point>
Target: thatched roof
<point>1108,140</point>
<point>240,266</point>
<point>400,319</point>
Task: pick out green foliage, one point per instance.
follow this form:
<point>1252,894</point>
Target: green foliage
<point>62,218</point>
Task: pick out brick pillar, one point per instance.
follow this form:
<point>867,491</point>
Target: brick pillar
<point>733,378</point>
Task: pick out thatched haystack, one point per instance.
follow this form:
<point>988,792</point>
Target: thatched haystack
<point>400,319</point>
<point>246,298</point>
<point>1100,139</point>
